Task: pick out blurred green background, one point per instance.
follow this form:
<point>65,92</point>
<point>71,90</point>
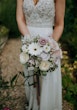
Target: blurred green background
<point>8,15</point>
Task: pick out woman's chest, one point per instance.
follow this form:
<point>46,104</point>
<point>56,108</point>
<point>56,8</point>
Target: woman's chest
<point>42,7</point>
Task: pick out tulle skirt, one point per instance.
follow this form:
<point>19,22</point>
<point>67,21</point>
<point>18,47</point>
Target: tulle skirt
<point>51,85</point>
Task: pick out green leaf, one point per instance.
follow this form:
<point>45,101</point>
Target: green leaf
<point>13,79</point>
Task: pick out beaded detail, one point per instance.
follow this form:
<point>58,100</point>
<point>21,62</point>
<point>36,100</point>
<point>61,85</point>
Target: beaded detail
<point>40,15</point>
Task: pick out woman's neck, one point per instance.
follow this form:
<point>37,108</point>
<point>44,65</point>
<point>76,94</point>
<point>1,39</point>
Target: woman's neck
<point>35,1</point>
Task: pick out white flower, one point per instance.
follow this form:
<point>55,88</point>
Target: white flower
<point>24,57</point>
<point>45,56</point>
<point>47,48</point>
<point>34,49</point>
<point>44,65</point>
<point>24,48</point>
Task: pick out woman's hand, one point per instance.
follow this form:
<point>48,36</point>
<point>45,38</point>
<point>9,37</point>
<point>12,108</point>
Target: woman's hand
<point>21,19</point>
<point>57,50</point>
<point>25,37</point>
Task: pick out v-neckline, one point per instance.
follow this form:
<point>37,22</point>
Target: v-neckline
<point>36,4</point>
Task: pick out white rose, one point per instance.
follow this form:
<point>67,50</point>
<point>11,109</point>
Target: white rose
<point>47,48</point>
<point>24,57</point>
<point>44,65</point>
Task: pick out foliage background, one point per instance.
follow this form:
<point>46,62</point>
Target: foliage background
<point>70,31</point>
<point>8,16</point>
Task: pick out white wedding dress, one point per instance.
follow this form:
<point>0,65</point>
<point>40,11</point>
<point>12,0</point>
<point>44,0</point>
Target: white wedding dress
<point>40,21</point>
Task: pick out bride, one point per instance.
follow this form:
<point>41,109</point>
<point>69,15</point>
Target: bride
<point>46,18</point>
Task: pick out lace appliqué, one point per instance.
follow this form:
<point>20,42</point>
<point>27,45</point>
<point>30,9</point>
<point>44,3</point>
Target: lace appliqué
<point>40,15</point>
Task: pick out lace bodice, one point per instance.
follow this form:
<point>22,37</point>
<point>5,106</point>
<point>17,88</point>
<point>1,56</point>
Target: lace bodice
<point>39,15</point>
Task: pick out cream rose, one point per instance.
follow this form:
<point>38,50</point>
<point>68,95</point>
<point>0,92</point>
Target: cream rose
<point>44,65</point>
<point>24,57</point>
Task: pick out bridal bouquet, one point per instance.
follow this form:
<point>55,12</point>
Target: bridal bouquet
<point>40,54</point>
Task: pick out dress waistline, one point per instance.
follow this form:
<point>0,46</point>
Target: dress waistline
<point>41,25</point>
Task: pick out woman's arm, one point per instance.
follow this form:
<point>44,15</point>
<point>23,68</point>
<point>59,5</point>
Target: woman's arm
<point>21,19</point>
<point>59,19</point>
